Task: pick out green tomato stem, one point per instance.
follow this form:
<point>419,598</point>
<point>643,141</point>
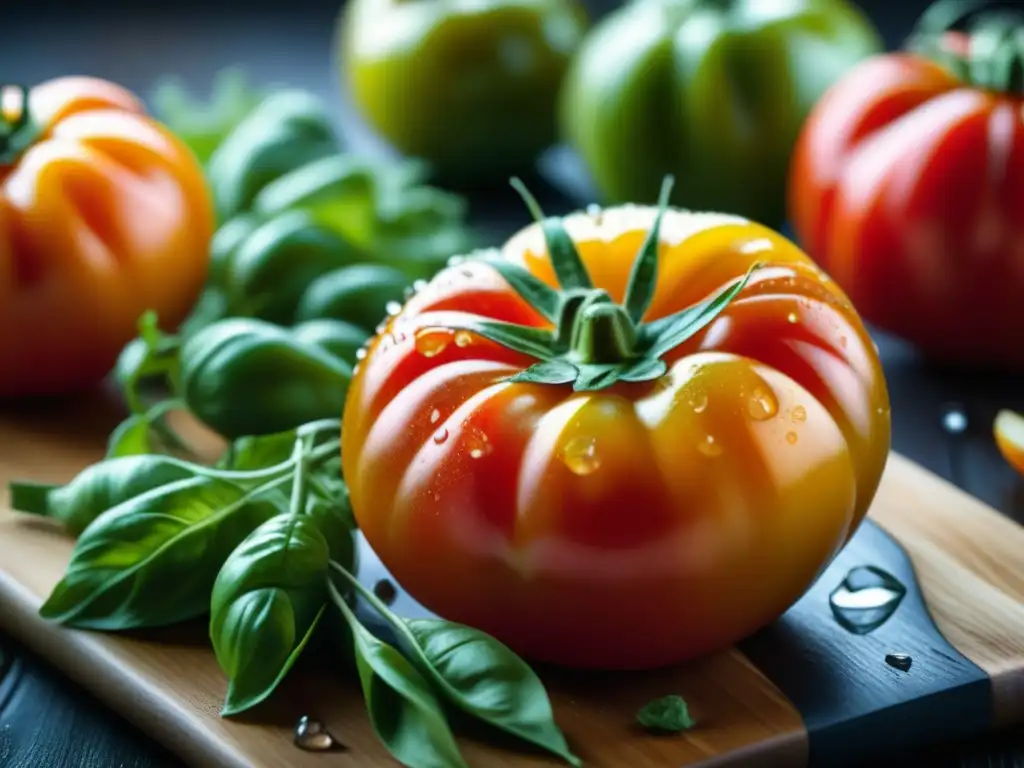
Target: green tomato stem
<point>603,333</point>
<point>992,54</point>
<point>18,134</point>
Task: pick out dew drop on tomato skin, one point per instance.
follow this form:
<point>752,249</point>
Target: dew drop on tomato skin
<point>580,455</point>
<point>431,342</point>
<point>799,414</point>
<point>477,444</point>
<point>435,415</point>
<point>762,404</point>
<point>441,436</point>
<point>710,447</point>
<point>791,438</point>
<point>463,339</point>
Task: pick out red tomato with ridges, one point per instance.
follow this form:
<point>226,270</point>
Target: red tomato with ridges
<point>630,524</point>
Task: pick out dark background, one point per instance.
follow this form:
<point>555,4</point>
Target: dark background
<point>46,722</point>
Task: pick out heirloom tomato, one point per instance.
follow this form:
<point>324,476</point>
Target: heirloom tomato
<point>711,90</point>
<point>643,465</point>
<point>907,186</point>
<point>104,214</point>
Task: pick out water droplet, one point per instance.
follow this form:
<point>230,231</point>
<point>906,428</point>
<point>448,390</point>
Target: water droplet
<point>900,661</point>
<point>580,455</point>
<point>593,209</point>
<point>954,420</point>
<point>709,447</point>
<point>381,327</point>
<point>437,497</point>
<point>419,285</point>
<point>312,735</point>
<point>799,413</point>
<point>385,591</point>
<point>478,444</point>
<point>454,261</point>
<point>762,404</point>
<point>431,342</point>
<point>355,369</point>
<point>792,317</point>
<point>408,292</point>
<point>865,599</point>
<point>361,353</point>
<point>392,308</point>
<point>434,416</point>
<point>463,339</point>
<point>441,435</point>
<point>699,403</point>
<point>792,437</point>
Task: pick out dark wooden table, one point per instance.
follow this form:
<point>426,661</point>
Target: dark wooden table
<point>45,721</point>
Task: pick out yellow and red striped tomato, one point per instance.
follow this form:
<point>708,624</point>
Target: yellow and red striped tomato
<point>644,523</point>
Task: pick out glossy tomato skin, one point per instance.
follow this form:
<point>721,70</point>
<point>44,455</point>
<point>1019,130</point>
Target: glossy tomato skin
<point>104,216</point>
<point>907,186</point>
<point>640,525</point>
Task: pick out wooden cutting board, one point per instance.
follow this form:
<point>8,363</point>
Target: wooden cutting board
<point>804,691</point>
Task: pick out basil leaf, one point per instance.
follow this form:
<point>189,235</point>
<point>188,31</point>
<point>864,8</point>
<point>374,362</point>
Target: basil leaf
<point>151,357</point>
<point>404,712</point>
<point>259,451</point>
<point>130,438</point>
<point>486,679</point>
<point>477,673</point>
<point>97,488</point>
<point>334,519</point>
<point>668,713</point>
<point>267,601</point>
<point>547,372</point>
<point>204,126</point>
<point>152,560</point>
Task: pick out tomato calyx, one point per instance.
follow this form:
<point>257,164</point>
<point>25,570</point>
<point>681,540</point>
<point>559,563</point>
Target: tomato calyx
<point>18,133</point>
<point>984,48</point>
<point>594,342</point>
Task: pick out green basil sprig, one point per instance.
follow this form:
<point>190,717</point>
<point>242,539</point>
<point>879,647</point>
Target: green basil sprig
<point>152,560</point>
<point>476,673</point>
<point>267,601</point>
<point>97,488</point>
<point>405,712</point>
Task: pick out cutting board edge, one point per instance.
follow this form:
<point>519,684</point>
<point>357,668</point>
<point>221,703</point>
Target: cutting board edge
<point>171,725</point>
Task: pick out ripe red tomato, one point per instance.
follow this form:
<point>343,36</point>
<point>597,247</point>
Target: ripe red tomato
<point>907,186</point>
<point>103,215</point>
<point>627,525</point>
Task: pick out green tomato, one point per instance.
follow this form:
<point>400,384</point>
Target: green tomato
<point>248,377</point>
<point>711,91</point>
<point>287,129</point>
<point>339,338</point>
<point>269,270</point>
<point>471,88</point>
<point>358,294</point>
